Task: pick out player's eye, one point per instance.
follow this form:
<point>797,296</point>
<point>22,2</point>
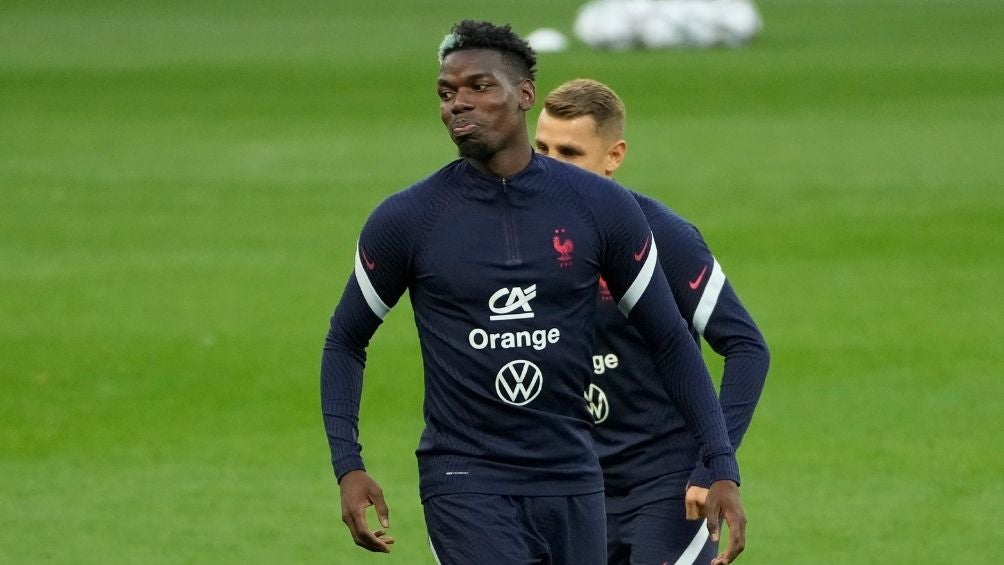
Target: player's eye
<point>445,95</point>
<point>481,87</point>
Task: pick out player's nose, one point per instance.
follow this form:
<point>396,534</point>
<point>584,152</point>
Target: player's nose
<point>461,103</point>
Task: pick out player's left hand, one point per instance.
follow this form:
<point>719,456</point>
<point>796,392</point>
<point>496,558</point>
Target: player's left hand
<point>694,502</point>
<point>724,502</point>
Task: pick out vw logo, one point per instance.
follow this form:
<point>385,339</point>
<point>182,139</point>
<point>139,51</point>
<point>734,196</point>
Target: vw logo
<point>519,382</point>
<point>596,403</point>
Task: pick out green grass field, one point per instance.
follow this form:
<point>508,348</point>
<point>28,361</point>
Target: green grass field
<point>182,184</point>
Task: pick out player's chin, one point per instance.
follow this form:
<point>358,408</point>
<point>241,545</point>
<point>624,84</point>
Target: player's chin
<point>473,149</point>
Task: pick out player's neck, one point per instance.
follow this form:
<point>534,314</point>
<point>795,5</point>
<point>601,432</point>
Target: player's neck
<point>506,162</point>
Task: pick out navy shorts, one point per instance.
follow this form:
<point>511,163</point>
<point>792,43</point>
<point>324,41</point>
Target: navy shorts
<point>658,533</point>
<point>483,529</point>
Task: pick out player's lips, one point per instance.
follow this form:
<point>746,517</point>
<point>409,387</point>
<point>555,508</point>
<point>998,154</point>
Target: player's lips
<point>462,128</point>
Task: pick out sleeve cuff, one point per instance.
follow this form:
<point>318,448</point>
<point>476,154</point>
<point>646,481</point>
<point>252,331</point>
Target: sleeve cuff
<point>723,467</point>
<point>700,477</point>
<point>346,464</point>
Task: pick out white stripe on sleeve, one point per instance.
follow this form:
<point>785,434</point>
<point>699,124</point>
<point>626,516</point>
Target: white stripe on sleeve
<point>369,293</point>
<point>710,298</point>
<point>637,288</point>
<point>696,545</point>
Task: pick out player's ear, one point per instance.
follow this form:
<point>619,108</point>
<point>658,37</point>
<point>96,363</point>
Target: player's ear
<point>527,94</point>
<point>615,156</point>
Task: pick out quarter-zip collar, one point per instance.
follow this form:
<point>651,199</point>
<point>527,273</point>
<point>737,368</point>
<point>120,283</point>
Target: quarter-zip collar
<point>479,180</point>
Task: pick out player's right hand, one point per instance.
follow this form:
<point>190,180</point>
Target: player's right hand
<point>359,492</point>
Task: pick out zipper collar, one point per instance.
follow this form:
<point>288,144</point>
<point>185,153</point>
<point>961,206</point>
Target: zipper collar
<point>479,177</point>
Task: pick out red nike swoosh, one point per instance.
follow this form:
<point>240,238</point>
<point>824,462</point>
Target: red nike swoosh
<point>697,282</point>
<point>640,254</point>
<point>370,265</point>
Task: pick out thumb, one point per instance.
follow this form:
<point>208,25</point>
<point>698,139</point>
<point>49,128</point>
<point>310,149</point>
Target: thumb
<point>713,512</point>
<point>714,526</point>
<point>383,513</point>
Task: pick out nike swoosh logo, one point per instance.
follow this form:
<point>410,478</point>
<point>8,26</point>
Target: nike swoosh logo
<point>370,265</point>
<point>697,282</point>
<point>640,254</point>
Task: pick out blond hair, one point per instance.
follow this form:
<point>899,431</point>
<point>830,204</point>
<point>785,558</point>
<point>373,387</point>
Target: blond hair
<point>588,97</point>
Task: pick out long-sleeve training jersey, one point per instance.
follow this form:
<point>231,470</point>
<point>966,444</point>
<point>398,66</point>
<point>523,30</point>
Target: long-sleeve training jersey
<point>645,448</point>
<point>502,275</point>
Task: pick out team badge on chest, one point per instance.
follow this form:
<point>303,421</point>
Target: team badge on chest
<point>564,246</point>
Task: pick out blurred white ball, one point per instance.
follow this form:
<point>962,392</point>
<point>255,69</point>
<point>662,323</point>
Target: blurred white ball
<point>660,24</point>
<point>698,23</point>
<point>547,40</point>
<point>739,21</point>
<point>662,29</point>
<point>638,10</point>
<point>605,24</point>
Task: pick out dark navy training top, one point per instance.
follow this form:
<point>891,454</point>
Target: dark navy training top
<point>502,275</point>
<point>646,450</point>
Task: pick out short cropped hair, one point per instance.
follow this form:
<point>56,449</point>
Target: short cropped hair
<point>519,57</point>
<point>587,97</point>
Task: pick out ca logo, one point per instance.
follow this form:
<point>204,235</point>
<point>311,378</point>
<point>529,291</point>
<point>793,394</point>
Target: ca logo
<point>596,402</point>
<point>519,299</point>
<point>519,382</point>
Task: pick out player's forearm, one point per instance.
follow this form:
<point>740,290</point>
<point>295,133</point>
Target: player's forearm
<point>694,396</point>
<point>342,364</point>
<point>731,333</point>
<point>688,383</point>
<point>742,383</point>
<point>341,390</point>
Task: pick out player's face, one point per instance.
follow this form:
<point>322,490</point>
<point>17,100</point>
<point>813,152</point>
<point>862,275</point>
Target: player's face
<point>576,141</point>
<point>483,110</point>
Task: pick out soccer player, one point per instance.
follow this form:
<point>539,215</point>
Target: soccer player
<point>653,477</point>
<point>501,251</point>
